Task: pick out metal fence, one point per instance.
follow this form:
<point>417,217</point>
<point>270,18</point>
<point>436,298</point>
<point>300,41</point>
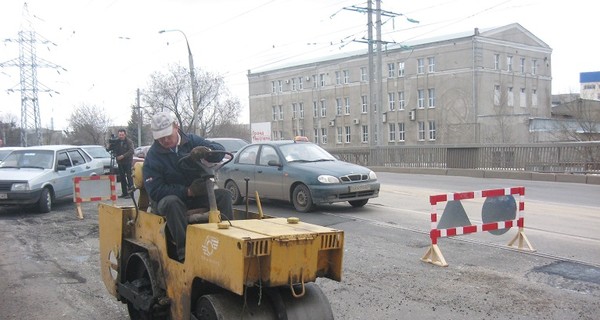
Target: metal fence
<point>569,157</point>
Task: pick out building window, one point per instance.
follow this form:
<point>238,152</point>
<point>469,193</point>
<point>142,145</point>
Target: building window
<point>392,132</point>
<point>431,64</point>
<point>347,105</point>
<point>392,101</point>
<point>314,79</point>
<point>273,87</point>
<point>322,79</point>
<point>534,100</point>
<point>346,76</point>
<point>431,101</point>
<point>348,134</point>
<point>324,135</point>
<point>509,62</point>
<point>300,83</point>
<point>301,109</point>
<point>496,62</point>
<point>275,133</point>
<point>338,77</point>
<point>279,85</point>
<point>363,74</point>
<point>522,98</point>
<point>496,95</point>
<point>421,98</point>
<point>510,97</point>
<point>400,69</point>
<point>421,132</point>
<point>316,138</point>
<point>534,67</point>
<point>522,65</point>
<point>365,134</point>
<point>340,135</point>
<point>280,107</point>
<point>338,106</point>
<point>294,84</point>
<point>391,70</point>
<point>323,109</point>
<point>420,66</point>
<point>315,110</point>
<point>401,101</point>
<point>364,104</point>
<point>432,130</point>
<point>294,110</point>
<point>274,113</point>
<point>401,132</point>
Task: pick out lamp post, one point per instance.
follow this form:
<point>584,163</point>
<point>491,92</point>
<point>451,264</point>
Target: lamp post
<point>192,74</point>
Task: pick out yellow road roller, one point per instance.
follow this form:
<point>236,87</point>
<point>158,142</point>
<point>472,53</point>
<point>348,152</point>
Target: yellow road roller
<point>252,267</point>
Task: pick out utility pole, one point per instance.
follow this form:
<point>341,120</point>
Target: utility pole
<point>139,132</point>
<point>375,96</point>
<point>28,62</point>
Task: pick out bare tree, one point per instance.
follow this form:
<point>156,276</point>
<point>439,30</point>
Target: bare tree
<point>579,120</point>
<point>172,91</point>
<point>88,125</point>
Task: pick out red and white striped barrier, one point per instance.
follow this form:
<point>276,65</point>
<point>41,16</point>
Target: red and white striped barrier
<point>434,255</point>
<point>94,188</point>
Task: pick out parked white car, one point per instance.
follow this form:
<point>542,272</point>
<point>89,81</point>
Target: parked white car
<point>38,176</point>
<point>99,152</point>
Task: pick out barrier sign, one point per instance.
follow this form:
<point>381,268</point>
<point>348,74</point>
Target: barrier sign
<point>94,188</point>
<point>499,212</point>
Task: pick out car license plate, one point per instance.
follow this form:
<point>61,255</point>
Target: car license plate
<point>359,187</point>
<point>3,196</point>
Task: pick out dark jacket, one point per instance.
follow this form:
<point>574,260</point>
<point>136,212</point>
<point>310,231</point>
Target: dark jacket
<point>124,148</point>
<point>162,175</point>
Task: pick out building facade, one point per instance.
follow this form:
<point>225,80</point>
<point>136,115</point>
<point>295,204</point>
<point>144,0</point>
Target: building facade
<point>590,85</point>
<point>481,87</point>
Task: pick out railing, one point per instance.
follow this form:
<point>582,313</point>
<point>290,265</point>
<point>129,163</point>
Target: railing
<point>569,157</point>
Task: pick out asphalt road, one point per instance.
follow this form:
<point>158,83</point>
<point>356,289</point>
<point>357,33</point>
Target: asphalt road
<point>49,263</point>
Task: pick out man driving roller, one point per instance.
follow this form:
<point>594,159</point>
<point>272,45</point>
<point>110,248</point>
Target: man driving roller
<point>172,190</point>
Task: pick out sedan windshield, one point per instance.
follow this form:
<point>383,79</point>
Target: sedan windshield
<point>42,159</point>
<point>305,152</point>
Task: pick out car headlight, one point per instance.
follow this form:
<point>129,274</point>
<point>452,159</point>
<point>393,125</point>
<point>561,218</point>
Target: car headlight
<point>20,186</point>
<point>372,175</point>
<point>328,179</point>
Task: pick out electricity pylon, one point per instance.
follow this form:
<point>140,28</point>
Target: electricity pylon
<point>28,62</point>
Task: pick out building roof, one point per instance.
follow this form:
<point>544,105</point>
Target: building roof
<point>407,45</point>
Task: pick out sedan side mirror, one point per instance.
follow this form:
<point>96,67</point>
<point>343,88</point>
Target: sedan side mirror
<point>274,163</point>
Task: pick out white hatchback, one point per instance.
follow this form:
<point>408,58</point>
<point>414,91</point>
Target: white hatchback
<point>38,176</point>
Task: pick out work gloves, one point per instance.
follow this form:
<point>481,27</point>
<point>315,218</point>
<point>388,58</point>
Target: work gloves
<point>198,187</point>
<point>199,153</point>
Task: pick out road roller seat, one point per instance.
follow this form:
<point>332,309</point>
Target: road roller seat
<point>199,215</point>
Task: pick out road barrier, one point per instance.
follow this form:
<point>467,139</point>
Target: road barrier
<point>499,213</point>
<point>94,188</point>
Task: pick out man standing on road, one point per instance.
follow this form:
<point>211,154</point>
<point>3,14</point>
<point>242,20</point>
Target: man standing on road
<point>123,151</point>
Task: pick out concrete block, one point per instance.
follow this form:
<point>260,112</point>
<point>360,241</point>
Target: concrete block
<point>575,178</point>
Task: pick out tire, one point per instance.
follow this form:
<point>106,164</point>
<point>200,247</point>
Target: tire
<point>236,196</point>
<point>302,199</point>
<point>44,205</point>
<point>358,203</point>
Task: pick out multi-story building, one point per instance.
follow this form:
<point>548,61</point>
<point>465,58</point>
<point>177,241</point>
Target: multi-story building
<point>480,87</point>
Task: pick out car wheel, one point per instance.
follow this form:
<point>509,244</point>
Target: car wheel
<point>302,199</point>
<point>45,202</point>
<point>236,197</point>
<point>358,203</point>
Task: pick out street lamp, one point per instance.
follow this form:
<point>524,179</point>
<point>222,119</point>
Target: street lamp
<point>192,75</point>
